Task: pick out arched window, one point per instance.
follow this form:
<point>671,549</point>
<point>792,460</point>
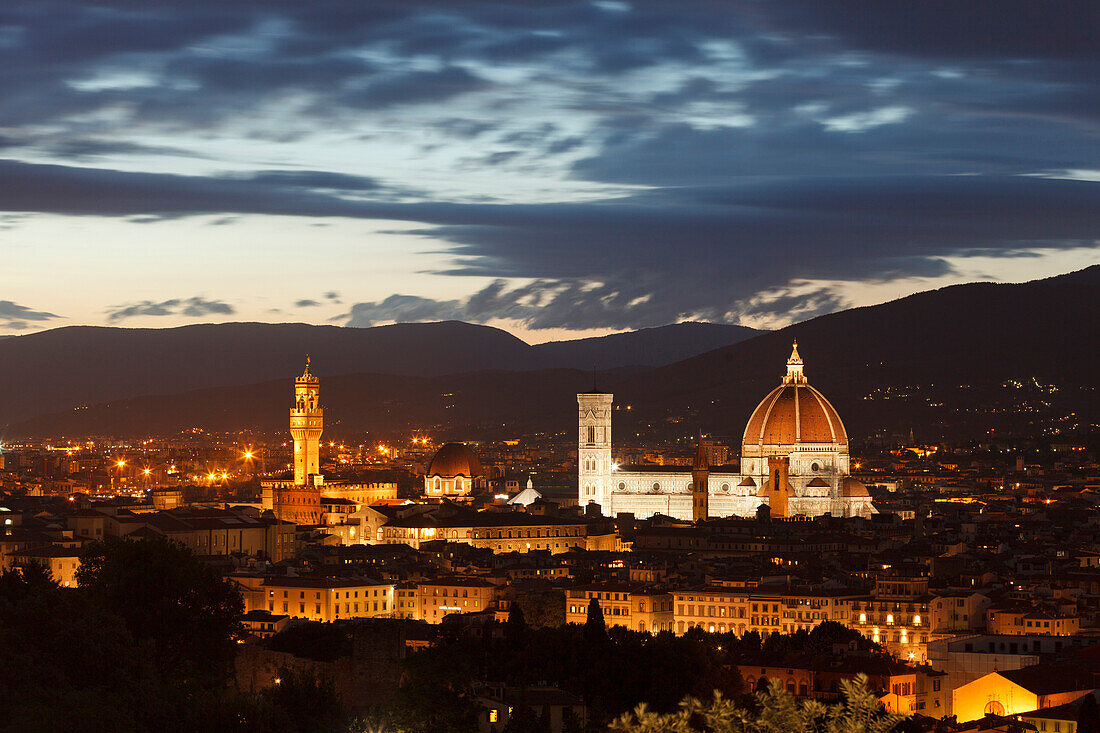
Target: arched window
<point>437,484</point>
<point>994,708</point>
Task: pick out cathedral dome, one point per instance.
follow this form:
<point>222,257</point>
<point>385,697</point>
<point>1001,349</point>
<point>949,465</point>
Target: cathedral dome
<point>794,413</point>
<point>455,459</point>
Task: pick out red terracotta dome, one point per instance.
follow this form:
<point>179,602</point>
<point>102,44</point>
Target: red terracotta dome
<point>794,413</point>
<point>850,488</point>
<point>455,459</point>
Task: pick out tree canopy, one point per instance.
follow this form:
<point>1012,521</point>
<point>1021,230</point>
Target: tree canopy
<point>777,711</point>
<point>168,598</point>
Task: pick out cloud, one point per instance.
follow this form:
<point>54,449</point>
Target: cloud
<point>415,87</point>
<point>602,164</point>
<point>16,316</point>
<point>306,303</point>
<point>638,260</point>
<point>194,307</point>
<point>1001,29</point>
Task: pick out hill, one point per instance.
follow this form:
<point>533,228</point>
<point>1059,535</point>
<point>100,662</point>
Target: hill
<point>954,362</point>
<point>646,347</point>
<point>64,368</point>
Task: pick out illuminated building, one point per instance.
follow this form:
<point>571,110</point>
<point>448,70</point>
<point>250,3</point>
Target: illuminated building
<point>454,471</point>
<point>61,562</point>
<point>499,702</point>
<point>634,607</point>
<point>435,599</point>
<point>1011,692</point>
<point>497,531</point>
<point>299,500</point>
<point>327,599</point>
<point>898,616</point>
<point>794,458</point>
<point>740,610</point>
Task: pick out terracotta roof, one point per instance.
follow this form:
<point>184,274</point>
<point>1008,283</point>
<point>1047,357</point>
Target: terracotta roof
<point>849,487</point>
<point>1048,679</point>
<point>792,414</point>
<point>455,459</point>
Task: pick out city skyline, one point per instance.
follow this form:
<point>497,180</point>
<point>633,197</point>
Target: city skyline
<point>564,170</point>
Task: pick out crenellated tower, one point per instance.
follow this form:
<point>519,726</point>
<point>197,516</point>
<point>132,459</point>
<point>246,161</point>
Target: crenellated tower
<point>306,425</point>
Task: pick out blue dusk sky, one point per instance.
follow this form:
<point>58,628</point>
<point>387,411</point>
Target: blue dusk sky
<point>558,169</point>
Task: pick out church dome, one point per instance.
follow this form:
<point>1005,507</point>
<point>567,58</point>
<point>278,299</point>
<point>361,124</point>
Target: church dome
<point>455,459</point>
<point>850,488</point>
<point>794,413</point>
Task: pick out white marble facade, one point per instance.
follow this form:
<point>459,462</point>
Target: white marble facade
<point>794,426</point>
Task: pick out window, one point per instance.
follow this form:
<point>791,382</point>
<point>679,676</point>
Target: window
<point>493,715</point>
<point>591,434</point>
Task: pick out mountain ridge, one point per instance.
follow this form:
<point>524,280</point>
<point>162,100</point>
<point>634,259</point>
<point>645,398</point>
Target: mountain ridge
<point>954,361</point>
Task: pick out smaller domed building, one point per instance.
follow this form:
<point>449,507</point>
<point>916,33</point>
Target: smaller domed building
<point>454,471</point>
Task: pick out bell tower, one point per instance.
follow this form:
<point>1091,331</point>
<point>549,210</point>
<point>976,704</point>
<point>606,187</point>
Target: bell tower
<point>594,449</point>
<point>306,424</point>
<point>700,483</point>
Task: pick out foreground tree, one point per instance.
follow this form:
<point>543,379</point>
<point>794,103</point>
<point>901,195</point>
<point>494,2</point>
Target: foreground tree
<point>779,712</point>
<point>169,599</point>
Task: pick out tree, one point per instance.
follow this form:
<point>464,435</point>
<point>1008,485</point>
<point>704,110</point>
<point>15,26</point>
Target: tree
<point>167,598</point>
<point>516,623</point>
<point>779,712</point>
<point>595,629</point>
<point>1088,715</point>
<point>309,702</point>
<point>542,607</point>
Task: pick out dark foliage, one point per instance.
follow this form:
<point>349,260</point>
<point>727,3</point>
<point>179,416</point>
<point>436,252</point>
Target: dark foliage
<point>167,598</point>
<point>94,659</point>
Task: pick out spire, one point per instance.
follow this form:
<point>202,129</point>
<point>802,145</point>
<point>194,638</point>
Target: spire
<point>306,372</point>
<point>794,367</point>
<point>795,358</point>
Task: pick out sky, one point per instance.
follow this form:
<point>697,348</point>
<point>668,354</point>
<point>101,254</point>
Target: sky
<point>558,169</point>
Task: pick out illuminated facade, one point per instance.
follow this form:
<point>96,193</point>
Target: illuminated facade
<point>454,471</point>
<point>794,459</point>
<point>327,599</point>
<point>299,501</point>
<point>633,607</point>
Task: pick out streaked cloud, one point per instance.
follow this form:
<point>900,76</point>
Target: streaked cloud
<point>193,307</point>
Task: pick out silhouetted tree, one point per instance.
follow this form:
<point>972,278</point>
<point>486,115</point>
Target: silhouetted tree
<point>168,598</point>
<point>595,628</point>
